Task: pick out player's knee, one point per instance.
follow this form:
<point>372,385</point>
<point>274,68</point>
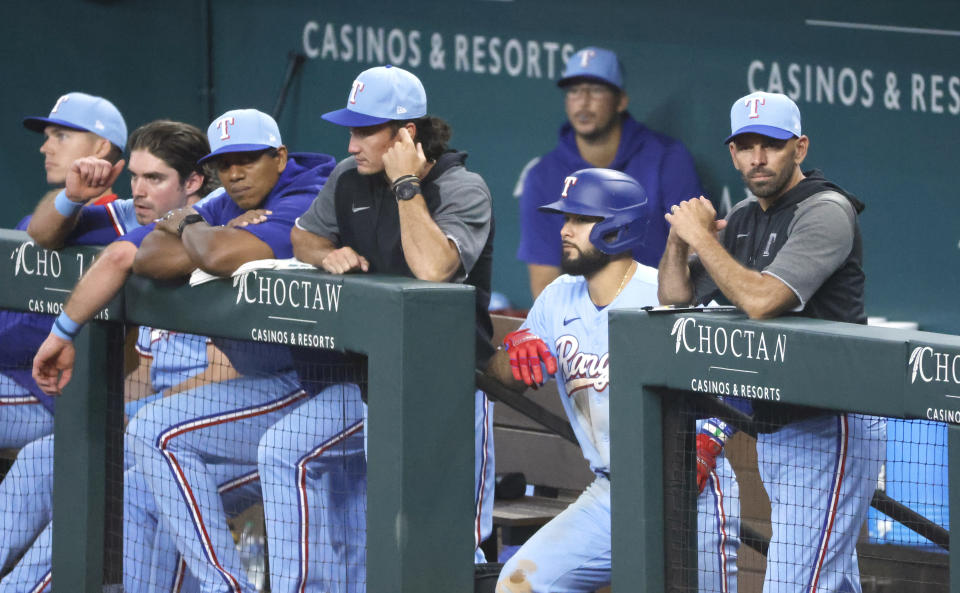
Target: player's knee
<point>139,439</point>
<point>38,449</point>
<point>134,433</point>
<point>266,450</point>
<point>271,450</point>
<point>516,577</point>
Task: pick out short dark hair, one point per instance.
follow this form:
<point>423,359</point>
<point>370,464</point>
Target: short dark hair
<point>432,132</point>
<point>177,144</point>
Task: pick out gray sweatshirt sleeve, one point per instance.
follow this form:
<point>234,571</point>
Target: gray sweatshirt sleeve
<point>464,214</point>
<point>820,238</point>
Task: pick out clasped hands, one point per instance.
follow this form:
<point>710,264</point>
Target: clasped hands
<point>693,220</point>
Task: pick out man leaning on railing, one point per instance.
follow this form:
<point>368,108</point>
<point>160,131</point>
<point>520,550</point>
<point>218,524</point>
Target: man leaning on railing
<point>794,247</point>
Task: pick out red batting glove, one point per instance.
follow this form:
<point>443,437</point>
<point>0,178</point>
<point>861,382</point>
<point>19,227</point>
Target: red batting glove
<point>526,352</point>
<point>708,448</point>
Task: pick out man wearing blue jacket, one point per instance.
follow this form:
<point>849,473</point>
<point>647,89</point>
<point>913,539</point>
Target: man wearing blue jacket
<point>599,132</point>
<point>177,440</point>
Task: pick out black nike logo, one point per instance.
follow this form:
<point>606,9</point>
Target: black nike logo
<point>569,321</point>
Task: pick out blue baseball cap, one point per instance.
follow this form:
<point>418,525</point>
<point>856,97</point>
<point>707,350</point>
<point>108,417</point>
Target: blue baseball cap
<point>80,111</point>
<point>242,130</point>
<point>593,63</point>
<point>768,114</point>
<point>379,95</point>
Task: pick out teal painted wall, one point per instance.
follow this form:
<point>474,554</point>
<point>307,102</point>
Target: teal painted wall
<point>685,64</point>
<point>144,56</point>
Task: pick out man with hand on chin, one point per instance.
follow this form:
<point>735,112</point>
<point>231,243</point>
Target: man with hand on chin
<point>404,204</point>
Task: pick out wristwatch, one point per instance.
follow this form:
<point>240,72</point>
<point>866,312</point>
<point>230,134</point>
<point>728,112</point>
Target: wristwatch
<point>406,189</point>
<point>188,219</point>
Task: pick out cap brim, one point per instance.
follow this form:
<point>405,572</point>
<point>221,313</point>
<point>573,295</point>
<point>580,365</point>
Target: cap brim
<point>235,148</point>
<point>567,81</point>
<point>770,131</point>
<point>37,124</point>
<point>352,119</point>
<point>563,206</point>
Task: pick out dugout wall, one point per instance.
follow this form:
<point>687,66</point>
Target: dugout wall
<point>662,361</point>
<point>419,403</point>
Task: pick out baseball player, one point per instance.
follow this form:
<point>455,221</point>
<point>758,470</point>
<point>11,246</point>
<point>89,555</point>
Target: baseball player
<point>566,333</point>
<point>176,362</point>
<point>599,132</point>
<point>71,133</point>
<point>164,174</point>
<point>78,126</point>
<point>176,439</point>
<point>403,203</point>
<point>793,247</point>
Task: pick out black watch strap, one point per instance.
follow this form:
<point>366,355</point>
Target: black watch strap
<point>406,187</point>
<point>406,190</point>
<point>187,220</point>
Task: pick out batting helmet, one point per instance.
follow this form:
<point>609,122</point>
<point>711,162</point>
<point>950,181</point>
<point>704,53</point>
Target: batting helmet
<point>611,195</point>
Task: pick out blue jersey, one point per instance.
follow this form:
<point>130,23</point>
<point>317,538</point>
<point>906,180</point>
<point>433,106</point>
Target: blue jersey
<point>575,330</point>
<point>99,225</point>
<point>659,163</point>
<point>175,356</point>
<point>298,185</point>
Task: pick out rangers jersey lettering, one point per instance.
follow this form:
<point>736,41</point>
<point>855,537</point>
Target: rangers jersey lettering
<point>580,369</point>
<point>576,329</point>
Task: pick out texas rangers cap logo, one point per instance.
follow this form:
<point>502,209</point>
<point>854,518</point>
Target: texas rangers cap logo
<point>585,57</point>
<point>357,87</point>
<point>754,103</point>
<point>567,184</point>
<point>60,101</point>
<point>223,124</point>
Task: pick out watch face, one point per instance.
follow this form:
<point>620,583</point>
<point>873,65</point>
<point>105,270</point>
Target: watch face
<point>407,190</point>
<point>188,220</point>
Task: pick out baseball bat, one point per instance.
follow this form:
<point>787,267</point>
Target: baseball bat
<point>525,406</point>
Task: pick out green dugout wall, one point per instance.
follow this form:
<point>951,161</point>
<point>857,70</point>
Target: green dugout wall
<point>877,83</point>
<point>418,526</point>
<point>656,357</point>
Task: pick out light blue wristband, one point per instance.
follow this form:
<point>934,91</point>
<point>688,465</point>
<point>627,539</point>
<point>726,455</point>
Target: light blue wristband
<point>65,205</point>
<point>66,328</point>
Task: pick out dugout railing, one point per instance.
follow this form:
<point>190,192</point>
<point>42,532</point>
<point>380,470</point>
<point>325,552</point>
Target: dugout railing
<point>664,362</point>
<point>418,338</point>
